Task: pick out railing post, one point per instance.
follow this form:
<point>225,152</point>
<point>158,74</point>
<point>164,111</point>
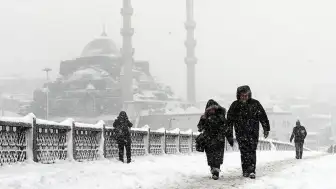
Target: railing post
<point>29,141</point>
<point>164,142</point>
<point>147,141</point>
<point>178,143</point>
<point>190,142</point>
<point>35,133</point>
<point>104,134</point>
<point>101,148</point>
<point>70,138</point>
<point>73,141</point>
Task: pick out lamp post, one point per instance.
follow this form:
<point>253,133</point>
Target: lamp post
<point>47,70</point>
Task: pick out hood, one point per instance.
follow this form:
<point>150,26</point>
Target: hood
<point>123,116</point>
<point>212,106</point>
<point>243,89</point>
<point>298,123</point>
<point>210,103</point>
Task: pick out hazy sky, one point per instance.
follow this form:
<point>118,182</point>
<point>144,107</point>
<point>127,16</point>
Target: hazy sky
<point>272,45</point>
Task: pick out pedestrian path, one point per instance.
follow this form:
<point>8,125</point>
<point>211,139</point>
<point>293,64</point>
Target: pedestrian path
<point>231,176</point>
<point>149,172</point>
<point>308,174</point>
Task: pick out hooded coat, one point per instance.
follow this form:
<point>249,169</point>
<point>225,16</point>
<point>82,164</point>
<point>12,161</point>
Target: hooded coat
<point>122,126</point>
<point>299,133</point>
<point>244,117</point>
<point>213,124</point>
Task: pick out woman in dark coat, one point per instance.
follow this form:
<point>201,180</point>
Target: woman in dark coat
<point>213,125</point>
<point>123,136</point>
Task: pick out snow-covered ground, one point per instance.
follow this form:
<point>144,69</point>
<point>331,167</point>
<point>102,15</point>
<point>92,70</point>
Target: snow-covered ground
<point>309,174</point>
<point>168,171</point>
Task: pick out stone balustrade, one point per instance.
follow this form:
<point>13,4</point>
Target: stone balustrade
<point>31,139</point>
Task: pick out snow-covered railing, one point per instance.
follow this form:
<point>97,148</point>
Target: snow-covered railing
<point>32,139</point>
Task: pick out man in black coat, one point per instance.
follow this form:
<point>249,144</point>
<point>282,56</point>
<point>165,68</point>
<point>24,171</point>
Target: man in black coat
<point>299,134</point>
<point>123,136</point>
<point>244,116</point>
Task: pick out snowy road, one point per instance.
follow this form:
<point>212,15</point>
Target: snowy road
<point>170,171</point>
<point>233,178</point>
<point>309,174</point>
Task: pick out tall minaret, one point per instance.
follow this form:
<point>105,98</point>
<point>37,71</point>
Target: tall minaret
<point>127,51</point>
<point>190,60</point>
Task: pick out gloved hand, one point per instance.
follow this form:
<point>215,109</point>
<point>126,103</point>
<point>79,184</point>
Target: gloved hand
<point>230,140</point>
<point>266,133</point>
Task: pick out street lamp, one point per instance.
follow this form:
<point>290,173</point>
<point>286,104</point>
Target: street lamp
<point>47,70</point>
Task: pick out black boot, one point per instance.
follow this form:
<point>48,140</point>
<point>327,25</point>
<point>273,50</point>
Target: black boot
<point>129,160</point>
<point>246,174</point>
<point>252,176</point>
<point>215,173</point>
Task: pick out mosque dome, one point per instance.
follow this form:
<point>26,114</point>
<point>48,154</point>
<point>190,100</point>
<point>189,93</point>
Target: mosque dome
<point>101,46</point>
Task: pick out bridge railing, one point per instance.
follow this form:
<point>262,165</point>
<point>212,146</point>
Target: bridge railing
<point>31,139</point>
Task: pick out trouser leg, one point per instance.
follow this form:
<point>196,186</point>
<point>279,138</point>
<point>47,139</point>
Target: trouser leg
<point>128,150</point>
<point>121,146</point>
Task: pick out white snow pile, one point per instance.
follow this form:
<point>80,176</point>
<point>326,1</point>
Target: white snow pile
<point>26,119</point>
<point>144,128</point>
<point>93,73</point>
<point>167,171</point>
<point>98,125</point>
<point>309,174</point>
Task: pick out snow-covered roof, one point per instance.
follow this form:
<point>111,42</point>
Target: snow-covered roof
<point>91,73</point>
<point>193,110</point>
<point>90,87</point>
<point>312,133</point>
<point>299,106</point>
<point>321,116</point>
<point>148,93</point>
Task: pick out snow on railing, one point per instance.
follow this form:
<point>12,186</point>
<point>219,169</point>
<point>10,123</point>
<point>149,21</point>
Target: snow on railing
<point>32,139</point>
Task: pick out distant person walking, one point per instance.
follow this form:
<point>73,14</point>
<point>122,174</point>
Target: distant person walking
<point>123,136</point>
<point>244,116</point>
<point>299,134</point>
<point>212,126</point>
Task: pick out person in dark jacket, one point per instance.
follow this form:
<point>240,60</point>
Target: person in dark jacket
<point>123,136</point>
<point>213,125</point>
<point>244,116</point>
<point>299,134</point>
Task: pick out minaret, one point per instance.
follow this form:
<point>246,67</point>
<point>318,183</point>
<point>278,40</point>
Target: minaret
<point>190,59</point>
<point>127,51</point>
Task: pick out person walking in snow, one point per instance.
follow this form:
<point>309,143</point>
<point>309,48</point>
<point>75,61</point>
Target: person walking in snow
<point>244,116</point>
<point>299,134</point>
<point>123,136</point>
<point>213,126</point>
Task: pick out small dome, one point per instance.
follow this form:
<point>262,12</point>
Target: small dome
<point>102,45</point>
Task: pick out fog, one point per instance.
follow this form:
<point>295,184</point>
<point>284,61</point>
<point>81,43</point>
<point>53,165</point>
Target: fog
<point>285,47</point>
